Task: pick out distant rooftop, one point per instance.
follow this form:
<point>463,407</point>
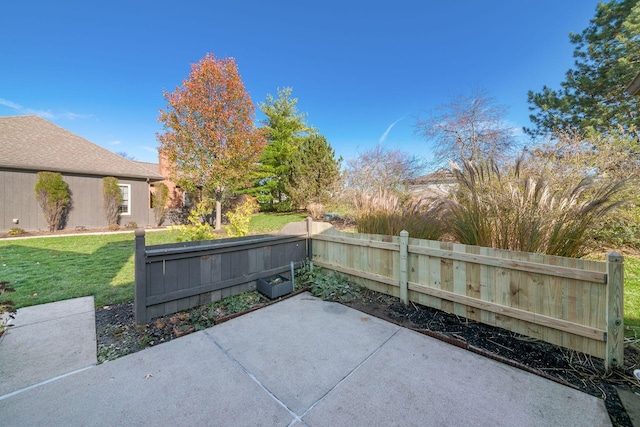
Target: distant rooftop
<point>441,176</point>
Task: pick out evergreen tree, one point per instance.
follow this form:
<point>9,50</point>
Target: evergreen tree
<point>284,129</point>
<point>314,172</point>
<point>592,98</point>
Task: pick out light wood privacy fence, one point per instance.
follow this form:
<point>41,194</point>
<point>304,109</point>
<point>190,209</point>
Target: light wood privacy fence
<point>573,303</point>
<point>178,276</point>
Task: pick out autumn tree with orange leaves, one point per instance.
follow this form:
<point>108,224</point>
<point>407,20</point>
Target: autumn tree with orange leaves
<point>210,140</point>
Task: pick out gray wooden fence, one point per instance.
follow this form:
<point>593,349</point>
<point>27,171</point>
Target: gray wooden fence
<point>174,277</point>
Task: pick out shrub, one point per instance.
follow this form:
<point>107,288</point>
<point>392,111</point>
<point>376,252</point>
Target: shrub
<point>52,194</point>
<point>316,210</point>
<point>239,218</point>
<point>198,228</point>
<point>112,199</point>
<point>114,227</point>
<point>193,232</point>
<point>619,229</point>
<point>329,287</point>
<point>159,200</point>
<point>178,216</point>
<point>285,206</point>
<point>16,231</point>
<point>131,225</point>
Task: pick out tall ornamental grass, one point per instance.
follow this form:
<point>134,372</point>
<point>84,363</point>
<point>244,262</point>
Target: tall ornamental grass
<point>519,210</point>
<point>388,214</point>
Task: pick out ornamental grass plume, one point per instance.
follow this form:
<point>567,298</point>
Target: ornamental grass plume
<point>521,211</point>
<point>388,214</point>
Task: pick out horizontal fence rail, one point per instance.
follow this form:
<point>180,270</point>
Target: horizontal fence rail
<point>573,303</point>
<point>175,277</point>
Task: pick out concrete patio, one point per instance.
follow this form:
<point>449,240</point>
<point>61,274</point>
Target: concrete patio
<point>299,362</point>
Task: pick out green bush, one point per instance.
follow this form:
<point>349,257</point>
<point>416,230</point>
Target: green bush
<point>159,199</point>
<point>52,194</point>
<point>193,232</point>
<point>284,206</point>
<point>16,231</point>
<point>239,218</point>
<point>198,228</point>
<point>112,199</point>
<point>329,287</point>
<point>622,229</point>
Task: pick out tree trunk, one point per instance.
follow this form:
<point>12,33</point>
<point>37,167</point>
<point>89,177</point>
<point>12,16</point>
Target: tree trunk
<point>218,215</point>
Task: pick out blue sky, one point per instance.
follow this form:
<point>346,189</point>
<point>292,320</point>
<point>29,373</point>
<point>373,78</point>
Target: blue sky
<point>361,70</point>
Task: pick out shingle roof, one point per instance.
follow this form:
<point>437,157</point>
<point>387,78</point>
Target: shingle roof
<point>441,176</point>
<point>153,167</point>
<point>33,143</point>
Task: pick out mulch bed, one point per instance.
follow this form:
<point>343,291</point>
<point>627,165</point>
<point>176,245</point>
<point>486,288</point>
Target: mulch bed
<point>118,335</point>
<point>42,233</point>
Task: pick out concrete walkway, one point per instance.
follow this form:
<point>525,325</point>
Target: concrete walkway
<point>47,341</point>
<point>300,362</point>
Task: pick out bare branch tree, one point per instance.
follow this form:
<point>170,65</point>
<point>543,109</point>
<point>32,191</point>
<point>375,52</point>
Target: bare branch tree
<point>468,128</point>
<point>125,155</point>
<point>382,169</point>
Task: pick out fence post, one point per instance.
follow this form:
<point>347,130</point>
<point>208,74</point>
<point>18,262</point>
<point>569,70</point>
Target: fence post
<point>140,303</point>
<point>309,221</point>
<point>615,311</point>
<point>404,267</point>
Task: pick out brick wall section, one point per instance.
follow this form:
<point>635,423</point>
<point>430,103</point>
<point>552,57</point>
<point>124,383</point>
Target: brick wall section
<point>175,193</point>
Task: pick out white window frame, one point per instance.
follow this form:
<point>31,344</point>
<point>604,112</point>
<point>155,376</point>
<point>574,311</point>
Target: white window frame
<point>128,202</point>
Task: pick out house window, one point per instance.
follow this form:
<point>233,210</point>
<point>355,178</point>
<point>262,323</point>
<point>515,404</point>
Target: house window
<point>125,207</point>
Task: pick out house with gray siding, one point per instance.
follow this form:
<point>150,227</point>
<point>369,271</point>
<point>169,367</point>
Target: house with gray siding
<point>30,144</point>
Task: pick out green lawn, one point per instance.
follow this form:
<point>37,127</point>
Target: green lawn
<point>632,293</point>
<point>50,269</point>
<point>266,222</point>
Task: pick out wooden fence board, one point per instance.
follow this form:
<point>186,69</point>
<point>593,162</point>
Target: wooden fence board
<point>513,264</point>
<point>460,282</point>
<point>487,289</point>
<point>555,299</point>
<point>473,284</point>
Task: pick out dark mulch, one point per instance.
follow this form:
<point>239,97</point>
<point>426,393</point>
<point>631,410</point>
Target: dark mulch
<point>118,335</point>
<point>80,230</point>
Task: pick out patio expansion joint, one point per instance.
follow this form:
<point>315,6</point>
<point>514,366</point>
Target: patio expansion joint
<point>59,377</point>
<point>373,353</point>
<point>295,416</point>
<point>12,324</point>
